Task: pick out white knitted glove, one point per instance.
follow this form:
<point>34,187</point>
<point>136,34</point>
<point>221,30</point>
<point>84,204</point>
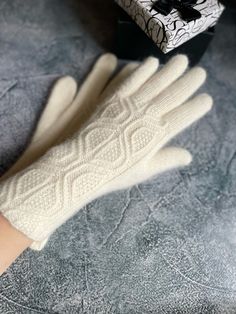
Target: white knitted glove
<point>63,105</point>
<point>66,110</point>
<point>126,130</point>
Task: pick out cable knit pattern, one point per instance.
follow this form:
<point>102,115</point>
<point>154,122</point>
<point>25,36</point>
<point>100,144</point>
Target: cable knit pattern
<point>123,130</point>
<point>67,175</point>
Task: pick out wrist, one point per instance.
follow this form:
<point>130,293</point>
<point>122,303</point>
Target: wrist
<point>12,243</point>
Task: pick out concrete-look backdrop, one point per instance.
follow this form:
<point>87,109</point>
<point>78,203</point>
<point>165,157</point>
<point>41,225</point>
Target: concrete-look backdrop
<point>164,246</point>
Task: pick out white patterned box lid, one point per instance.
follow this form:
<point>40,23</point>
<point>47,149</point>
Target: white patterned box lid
<point>169,32</point>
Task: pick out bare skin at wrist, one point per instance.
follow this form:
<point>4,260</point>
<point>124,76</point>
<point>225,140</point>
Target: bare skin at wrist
<point>12,244</point>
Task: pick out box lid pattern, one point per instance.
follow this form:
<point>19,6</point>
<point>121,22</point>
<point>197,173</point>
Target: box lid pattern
<point>169,32</point>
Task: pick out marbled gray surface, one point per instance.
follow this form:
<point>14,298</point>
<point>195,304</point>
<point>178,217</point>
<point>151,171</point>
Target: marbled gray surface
<point>165,246</point>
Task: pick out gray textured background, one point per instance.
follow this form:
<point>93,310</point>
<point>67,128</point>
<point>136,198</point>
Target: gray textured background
<point>165,246</point>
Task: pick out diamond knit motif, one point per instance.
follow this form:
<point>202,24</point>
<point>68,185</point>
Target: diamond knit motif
<point>114,139</point>
<point>120,145</point>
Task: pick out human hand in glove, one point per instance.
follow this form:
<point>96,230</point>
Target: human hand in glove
<point>119,146</point>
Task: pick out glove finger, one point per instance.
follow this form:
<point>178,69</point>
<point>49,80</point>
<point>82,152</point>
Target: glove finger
<point>60,99</point>
<point>61,110</point>
<point>86,99</point>
<point>186,114</point>
<point>179,92</point>
<point>97,79</point>
<point>163,78</point>
<point>85,111</point>
<point>119,79</point>
<point>139,77</point>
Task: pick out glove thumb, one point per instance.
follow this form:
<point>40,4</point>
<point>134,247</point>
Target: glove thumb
<point>168,158</point>
<point>163,160</point>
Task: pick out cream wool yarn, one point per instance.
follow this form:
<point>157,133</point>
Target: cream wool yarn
<point>63,105</point>
<point>66,111</point>
<point>66,105</point>
<point>127,129</point>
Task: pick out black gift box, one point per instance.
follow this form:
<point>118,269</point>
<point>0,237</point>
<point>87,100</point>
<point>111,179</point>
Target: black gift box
<point>229,3</point>
<point>134,44</point>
